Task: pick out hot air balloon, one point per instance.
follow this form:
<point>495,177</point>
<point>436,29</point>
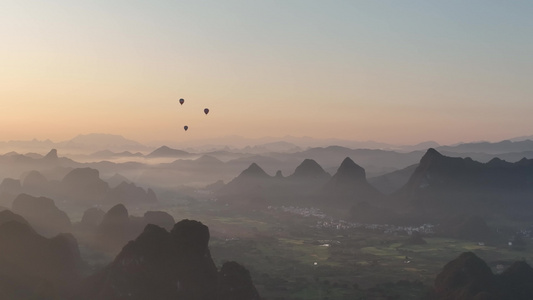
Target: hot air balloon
<point>185,127</point>
<point>206,110</point>
<point>182,101</point>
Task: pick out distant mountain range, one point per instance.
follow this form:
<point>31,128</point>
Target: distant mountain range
<point>435,188</point>
<point>83,143</point>
<point>309,185</point>
<point>109,145</point>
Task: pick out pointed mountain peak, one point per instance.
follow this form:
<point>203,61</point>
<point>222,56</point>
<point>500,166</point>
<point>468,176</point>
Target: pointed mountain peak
<point>349,169</point>
<point>254,171</point>
<point>349,183</point>
<point>430,156</point>
<point>309,169</point>
<point>433,152</point>
<point>116,214</point>
<point>52,155</point>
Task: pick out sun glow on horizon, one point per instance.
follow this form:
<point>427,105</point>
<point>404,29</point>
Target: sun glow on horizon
<point>355,70</point>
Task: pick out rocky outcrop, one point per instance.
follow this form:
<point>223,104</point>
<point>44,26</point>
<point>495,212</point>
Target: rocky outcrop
<point>469,277</point>
<point>516,281</point>
<point>115,230</point>
<point>249,186</point>
<point>83,185</point>
<point>464,278</point>
<point>159,218</point>
<point>92,217</point>
<point>130,193</point>
<point>168,265</point>
<point>309,169</point>
<point>34,267</point>
<point>35,183</point>
<point>51,156</point>
<point>349,185</point>
<point>235,282</point>
<point>42,214</point>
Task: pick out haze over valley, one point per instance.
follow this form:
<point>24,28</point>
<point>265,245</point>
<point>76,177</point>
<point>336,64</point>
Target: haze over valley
<point>314,206</point>
<point>253,150</point>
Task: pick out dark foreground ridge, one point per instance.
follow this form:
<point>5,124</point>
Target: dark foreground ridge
<point>169,265</point>
<point>469,277</point>
<point>157,265</point>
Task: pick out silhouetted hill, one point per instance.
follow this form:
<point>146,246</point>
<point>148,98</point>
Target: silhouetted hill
<point>51,156</point>
<point>84,185</point>
<point>349,185</point>
<point>269,163</point>
<point>8,216</point>
<point>516,281</point>
<point>305,186</point>
<point>469,277</point>
<point>374,161</point>
<point>249,186</point>
<point>109,232</point>
<point>309,169</point>
<point>34,267</point>
<point>130,193</point>
<point>165,151</point>
<point>115,230</point>
<point>464,278</point>
<point>254,171</point>
<point>235,282</point>
<point>442,185</point>
<point>42,214</point>
<point>92,217</point>
<point>168,265</point>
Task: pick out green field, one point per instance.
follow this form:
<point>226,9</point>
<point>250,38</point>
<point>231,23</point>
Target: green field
<point>289,258</point>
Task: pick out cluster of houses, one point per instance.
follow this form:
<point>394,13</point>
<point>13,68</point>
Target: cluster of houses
<point>329,223</point>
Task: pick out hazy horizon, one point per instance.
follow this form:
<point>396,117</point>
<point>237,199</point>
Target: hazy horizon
<point>236,141</point>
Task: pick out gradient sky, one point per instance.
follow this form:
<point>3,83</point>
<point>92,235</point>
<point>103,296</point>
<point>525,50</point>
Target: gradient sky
<point>390,71</point>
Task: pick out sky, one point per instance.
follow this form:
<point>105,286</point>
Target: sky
<point>390,71</point>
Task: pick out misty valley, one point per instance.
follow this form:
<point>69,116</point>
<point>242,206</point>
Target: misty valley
<point>87,219</point>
